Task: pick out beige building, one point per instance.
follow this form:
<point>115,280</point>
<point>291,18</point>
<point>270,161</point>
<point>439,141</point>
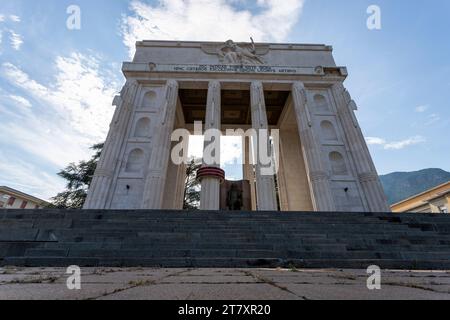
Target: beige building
<point>14,199</point>
<point>295,89</point>
<point>435,200</point>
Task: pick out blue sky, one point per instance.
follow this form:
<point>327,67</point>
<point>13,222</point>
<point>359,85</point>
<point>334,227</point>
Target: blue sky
<point>56,84</point>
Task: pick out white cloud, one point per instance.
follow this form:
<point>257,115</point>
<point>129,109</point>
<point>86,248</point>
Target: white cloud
<point>81,95</point>
<point>24,176</point>
<point>230,149</point>
<point>428,119</point>
<point>64,120</point>
<point>76,110</point>
<point>375,141</point>
<point>22,80</point>
<point>14,18</point>
<point>213,20</point>
<point>432,119</point>
<point>16,40</point>
<point>21,101</point>
<point>45,137</point>
<point>395,145</point>
<point>404,143</point>
<point>422,108</point>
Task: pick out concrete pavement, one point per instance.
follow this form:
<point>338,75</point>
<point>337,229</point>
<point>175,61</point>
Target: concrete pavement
<point>220,284</point>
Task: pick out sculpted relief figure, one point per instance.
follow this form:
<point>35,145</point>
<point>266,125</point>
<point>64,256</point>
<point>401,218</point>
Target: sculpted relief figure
<point>232,53</point>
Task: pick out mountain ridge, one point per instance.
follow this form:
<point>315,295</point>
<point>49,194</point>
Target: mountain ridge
<point>399,186</point>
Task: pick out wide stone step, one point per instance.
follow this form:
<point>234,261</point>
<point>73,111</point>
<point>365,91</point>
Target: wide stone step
<point>197,246</point>
<point>161,214</point>
<point>257,228</point>
<point>167,262</point>
<point>229,263</point>
<point>227,239</point>
<point>339,253</point>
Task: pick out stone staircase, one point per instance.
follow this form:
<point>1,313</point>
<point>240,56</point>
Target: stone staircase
<point>59,238</point>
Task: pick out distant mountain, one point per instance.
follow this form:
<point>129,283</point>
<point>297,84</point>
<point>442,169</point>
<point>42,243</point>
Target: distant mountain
<point>402,185</point>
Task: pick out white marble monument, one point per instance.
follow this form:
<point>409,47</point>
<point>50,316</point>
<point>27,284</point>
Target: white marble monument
<point>324,162</point>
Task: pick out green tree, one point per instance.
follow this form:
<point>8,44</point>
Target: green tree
<point>79,178</point>
<point>192,186</point>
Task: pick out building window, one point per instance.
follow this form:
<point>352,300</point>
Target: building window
<point>11,201</point>
<point>24,204</point>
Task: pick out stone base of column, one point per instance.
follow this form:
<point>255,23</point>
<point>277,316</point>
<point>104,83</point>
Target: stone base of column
<point>211,178</point>
<point>267,198</point>
<point>373,190</point>
<point>153,200</point>
<point>321,193</point>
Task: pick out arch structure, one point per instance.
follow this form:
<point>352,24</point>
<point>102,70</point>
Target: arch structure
<point>295,92</point>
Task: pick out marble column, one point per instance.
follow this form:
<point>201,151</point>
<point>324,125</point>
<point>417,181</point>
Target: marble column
<point>161,146</point>
<point>265,184</point>
<point>109,159</point>
<point>367,173</point>
<point>319,181</point>
<point>210,175</point>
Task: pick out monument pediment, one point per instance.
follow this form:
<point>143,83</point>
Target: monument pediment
<point>242,53</point>
<point>233,54</point>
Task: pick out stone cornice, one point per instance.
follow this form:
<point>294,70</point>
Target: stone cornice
<point>131,68</point>
<point>200,44</point>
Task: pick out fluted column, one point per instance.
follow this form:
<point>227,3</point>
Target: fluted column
<point>265,184</point>
<point>101,182</point>
<point>367,173</point>
<point>161,144</point>
<point>315,167</point>
<point>210,175</point>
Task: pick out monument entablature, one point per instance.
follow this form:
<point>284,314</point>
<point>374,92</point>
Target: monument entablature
<point>293,93</point>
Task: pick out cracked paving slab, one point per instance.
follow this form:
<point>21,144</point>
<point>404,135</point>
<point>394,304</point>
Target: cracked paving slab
<point>220,284</point>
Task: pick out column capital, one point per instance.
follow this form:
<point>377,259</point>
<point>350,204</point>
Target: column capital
<point>318,176</point>
<point>170,99</point>
<point>256,85</point>
<point>103,173</point>
<point>213,106</point>
<point>301,102</point>
<point>258,106</point>
<point>172,83</point>
<point>214,85</point>
<point>298,85</point>
<point>128,92</point>
<point>367,176</point>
